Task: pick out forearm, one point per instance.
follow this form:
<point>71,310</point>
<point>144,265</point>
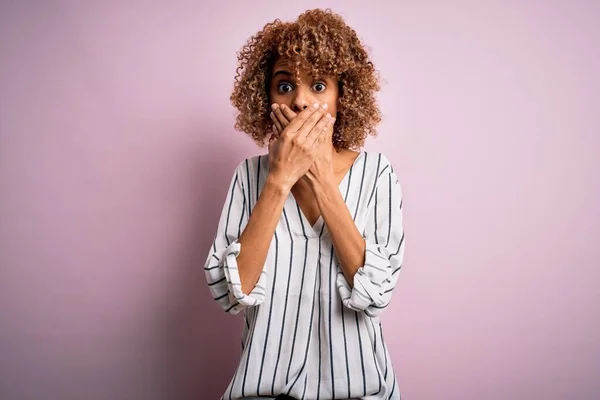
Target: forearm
<point>258,233</point>
<point>348,243</point>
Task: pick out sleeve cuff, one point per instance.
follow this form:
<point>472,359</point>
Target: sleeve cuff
<point>369,280</point>
<point>230,266</point>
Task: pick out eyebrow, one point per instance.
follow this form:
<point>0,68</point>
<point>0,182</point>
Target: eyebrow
<point>282,72</point>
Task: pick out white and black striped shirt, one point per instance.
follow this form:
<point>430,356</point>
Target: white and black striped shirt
<point>307,334</point>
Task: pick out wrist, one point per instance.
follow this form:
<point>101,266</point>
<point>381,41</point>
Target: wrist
<point>279,183</point>
<point>321,181</point>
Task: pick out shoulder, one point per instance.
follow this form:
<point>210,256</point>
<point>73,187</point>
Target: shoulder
<point>378,163</point>
<point>250,168</point>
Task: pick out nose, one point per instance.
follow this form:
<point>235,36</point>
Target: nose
<point>302,99</point>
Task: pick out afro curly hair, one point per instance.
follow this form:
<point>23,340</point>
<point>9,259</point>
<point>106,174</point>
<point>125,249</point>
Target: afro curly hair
<point>320,42</point>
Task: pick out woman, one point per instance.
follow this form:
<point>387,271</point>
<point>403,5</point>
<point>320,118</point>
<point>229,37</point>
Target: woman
<point>310,239</point>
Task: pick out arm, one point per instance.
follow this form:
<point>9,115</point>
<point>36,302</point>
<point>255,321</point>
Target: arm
<point>369,265</point>
<point>235,267</point>
<point>348,243</point>
<point>258,234</point>
<point>237,262</point>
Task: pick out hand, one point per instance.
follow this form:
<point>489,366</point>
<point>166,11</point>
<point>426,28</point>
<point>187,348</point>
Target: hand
<point>293,149</point>
<point>282,115</point>
<point>322,167</point>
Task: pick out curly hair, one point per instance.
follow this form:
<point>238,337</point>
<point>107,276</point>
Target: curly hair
<point>320,42</point>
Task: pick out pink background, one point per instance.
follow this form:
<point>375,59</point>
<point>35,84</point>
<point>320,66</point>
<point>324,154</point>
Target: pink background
<point>117,146</point>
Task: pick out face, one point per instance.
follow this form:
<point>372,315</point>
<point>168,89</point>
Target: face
<point>299,95</point>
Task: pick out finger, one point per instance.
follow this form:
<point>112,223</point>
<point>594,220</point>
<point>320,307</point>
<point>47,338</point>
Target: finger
<point>331,128</point>
<point>303,116</point>
<point>276,122</point>
<point>311,121</point>
<point>287,112</point>
<point>327,133</point>
<point>281,118</point>
<point>319,129</point>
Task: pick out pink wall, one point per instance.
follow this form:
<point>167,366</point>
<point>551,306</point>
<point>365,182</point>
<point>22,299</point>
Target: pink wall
<point>116,148</point>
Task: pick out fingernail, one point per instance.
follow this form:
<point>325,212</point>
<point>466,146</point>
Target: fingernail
<point>316,105</point>
<point>328,116</point>
<point>324,106</point>
<point>274,106</point>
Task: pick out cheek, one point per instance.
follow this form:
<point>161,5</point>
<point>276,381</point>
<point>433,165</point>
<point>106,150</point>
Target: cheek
<point>332,103</point>
<point>275,97</point>
<point>332,107</point>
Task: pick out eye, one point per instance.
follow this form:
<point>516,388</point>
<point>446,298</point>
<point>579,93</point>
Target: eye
<point>284,87</point>
<point>319,87</point>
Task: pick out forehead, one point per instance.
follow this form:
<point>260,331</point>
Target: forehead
<point>285,64</point>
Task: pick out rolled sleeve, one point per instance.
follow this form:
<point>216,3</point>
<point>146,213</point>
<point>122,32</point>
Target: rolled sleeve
<point>221,268</point>
<point>374,282</point>
<point>234,285</point>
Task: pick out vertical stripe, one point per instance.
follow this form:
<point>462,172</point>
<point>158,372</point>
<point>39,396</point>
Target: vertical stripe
<point>375,235</point>
<point>393,387</point>
<point>318,294</point>
<point>262,362</point>
<point>241,219</point>
<point>249,196</point>
<point>229,210</point>
<point>258,179</point>
<point>305,385</point>
<point>348,187</point>
<point>331,288</point>
<point>287,292</point>
<point>345,344</point>
<point>341,304</point>
<point>384,351</point>
<point>362,179</point>
<point>249,188</point>
<point>287,375</point>
<point>249,350</point>
<point>362,361</point>
<point>375,355</point>
<point>374,180</point>
<point>389,209</point>
<point>312,313</point>
<point>250,333</point>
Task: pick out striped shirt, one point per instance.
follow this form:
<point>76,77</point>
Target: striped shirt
<point>306,332</point>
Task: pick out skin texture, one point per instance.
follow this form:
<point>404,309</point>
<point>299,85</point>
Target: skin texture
<point>283,70</point>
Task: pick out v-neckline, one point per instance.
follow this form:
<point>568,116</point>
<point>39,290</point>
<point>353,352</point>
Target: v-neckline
<point>318,228</point>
